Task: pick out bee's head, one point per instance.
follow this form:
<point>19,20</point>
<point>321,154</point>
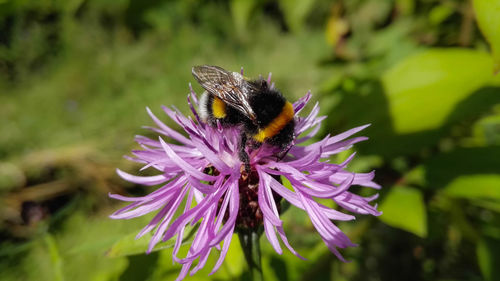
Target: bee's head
<point>261,84</point>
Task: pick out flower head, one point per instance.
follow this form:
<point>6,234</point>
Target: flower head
<point>203,165</point>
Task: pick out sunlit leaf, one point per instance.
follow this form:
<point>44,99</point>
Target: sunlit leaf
<point>415,176</point>
<point>487,130</point>
<point>487,12</point>
<point>55,257</point>
<point>241,11</point>
<point>493,205</point>
<point>234,263</point>
<point>440,13</point>
<point>11,176</point>
<point>295,12</point>
<point>128,245</point>
<point>423,89</point>
<point>475,186</point>
<point>335,28</point>
<point>488,255</point>
<point>405,6</point>
<point>404,208</point>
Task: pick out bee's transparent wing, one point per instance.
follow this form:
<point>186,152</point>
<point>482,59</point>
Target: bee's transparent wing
<point>230,87</point>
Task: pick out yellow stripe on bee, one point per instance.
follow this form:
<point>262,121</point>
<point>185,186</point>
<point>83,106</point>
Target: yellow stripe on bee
<point>218,108</point>
<point>277,124</point>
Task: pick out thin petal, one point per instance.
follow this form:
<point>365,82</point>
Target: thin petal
<point>167,130</point>
<point>152,180</point>
<point>184,165</point>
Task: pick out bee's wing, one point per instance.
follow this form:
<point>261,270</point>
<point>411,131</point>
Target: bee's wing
<point>230,87</point>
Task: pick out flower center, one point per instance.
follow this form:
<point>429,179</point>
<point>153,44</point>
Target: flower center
<point>249,213</point>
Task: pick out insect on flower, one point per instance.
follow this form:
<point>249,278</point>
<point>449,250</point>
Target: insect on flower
<point>203,175</point>
<point>260,110</point>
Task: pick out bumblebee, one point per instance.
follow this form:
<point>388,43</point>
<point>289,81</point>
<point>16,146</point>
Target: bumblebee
<point>261,111</point>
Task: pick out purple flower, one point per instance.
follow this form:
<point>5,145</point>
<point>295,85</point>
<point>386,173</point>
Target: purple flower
<point>204,166</point>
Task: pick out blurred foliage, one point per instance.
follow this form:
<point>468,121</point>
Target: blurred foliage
<point>489,22</point>
<point>76,76</point>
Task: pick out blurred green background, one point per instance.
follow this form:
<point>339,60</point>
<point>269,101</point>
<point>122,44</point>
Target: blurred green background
<point>76,76</point>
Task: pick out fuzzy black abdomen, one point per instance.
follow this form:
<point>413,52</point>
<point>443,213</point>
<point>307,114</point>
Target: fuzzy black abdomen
<point>267,105</point>
<point>284,137</point>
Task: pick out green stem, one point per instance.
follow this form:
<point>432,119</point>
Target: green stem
<point>249,241</point>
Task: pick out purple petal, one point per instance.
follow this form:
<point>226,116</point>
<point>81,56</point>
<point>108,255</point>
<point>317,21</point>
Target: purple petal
<point>152,180</point>
<point>159,192</point>
<point>234,204</point>
<point>264,205</point>
<point>184,271</point>
<point>180,235</point>
<point>167,130</point>
<point>347,134</point>
<point>294,199</point>
<point>271,236</point>
<point>299,105</point>
<point>166,220</point>
<point>184,165</point>
<point>225,248</point>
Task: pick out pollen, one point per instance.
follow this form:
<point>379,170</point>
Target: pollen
<point>218,108</point>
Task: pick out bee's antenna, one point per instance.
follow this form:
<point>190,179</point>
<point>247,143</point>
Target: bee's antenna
<point>241,70</point>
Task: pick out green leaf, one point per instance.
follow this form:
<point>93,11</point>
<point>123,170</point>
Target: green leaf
<point>241,11</point>
<point>488,255</point>
<point>487,130</point>
<point>351,111</point>
<point>234,263</point>
<point>404,208</point>
<point>11,177</point>
<point>475,186</point>
<point>55,257</point>
<point>487,12</point>
<point>423,89</point>
<point>440,13</point>
<point>295,12</point>
<point>493,205</point>
<point>415,176</point>
<point>405,6</point>
<point>128,245</point>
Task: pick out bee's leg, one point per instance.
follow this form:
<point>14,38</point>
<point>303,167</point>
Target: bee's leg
<point>283,152</point>
<point>242,153</point>
<point>254,144</point>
